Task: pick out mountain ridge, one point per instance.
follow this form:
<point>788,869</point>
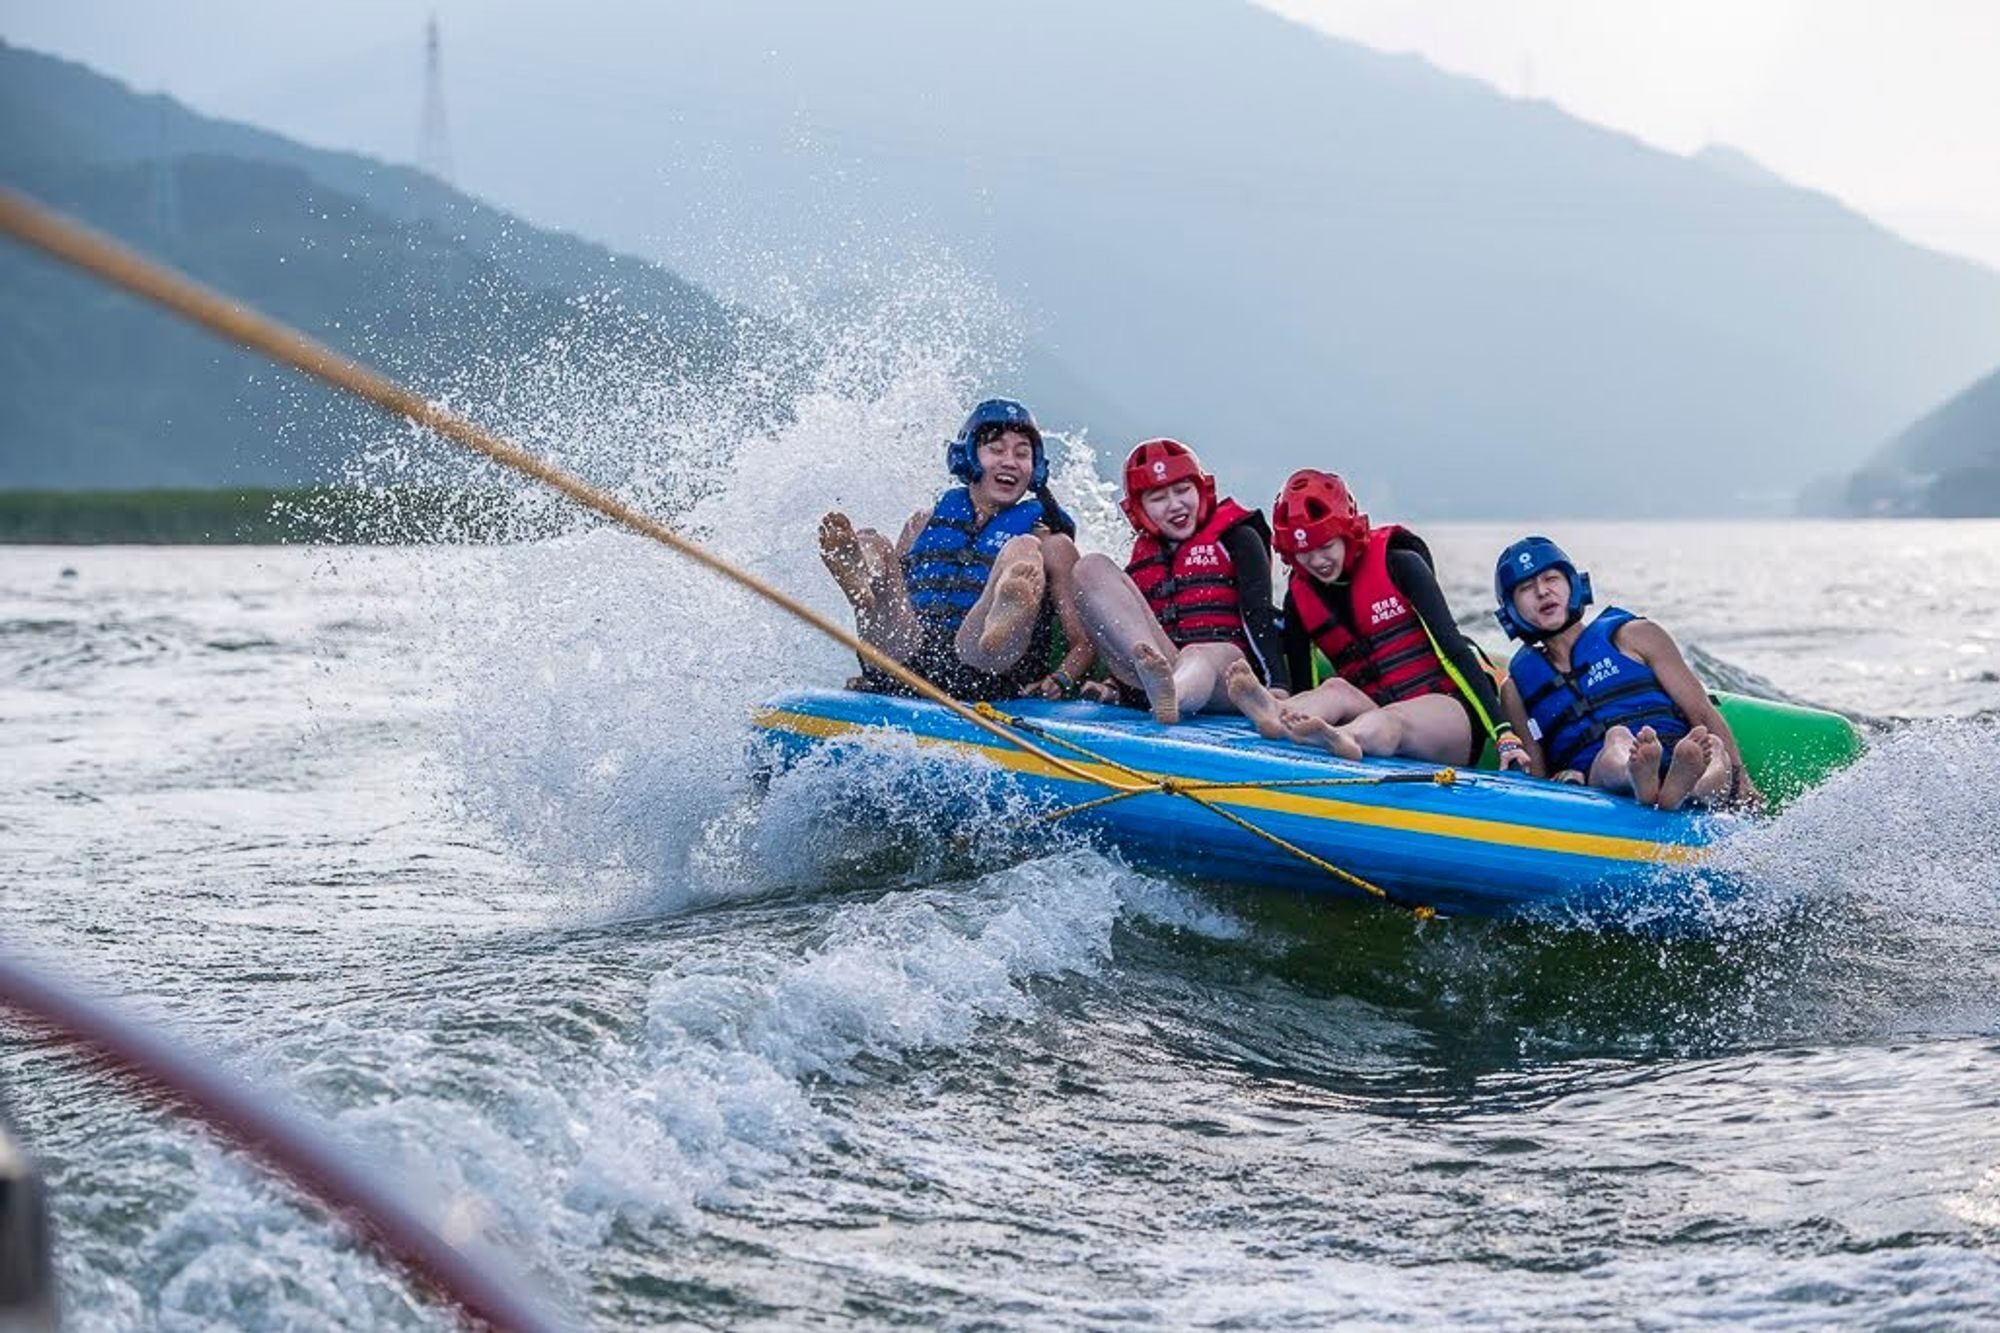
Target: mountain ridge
<point>100,390</point>
<point>1286,248</point>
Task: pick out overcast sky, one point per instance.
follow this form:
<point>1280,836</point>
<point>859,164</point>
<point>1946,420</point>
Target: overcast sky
<point>1891,105</point>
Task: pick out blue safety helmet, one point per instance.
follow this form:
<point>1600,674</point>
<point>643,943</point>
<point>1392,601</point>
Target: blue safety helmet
<point>962,455</point>
<point>1521,562</point>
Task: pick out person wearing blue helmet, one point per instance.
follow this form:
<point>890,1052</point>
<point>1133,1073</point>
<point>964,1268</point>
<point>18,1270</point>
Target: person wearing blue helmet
<point>968,596</point>
<point>1611,702</point>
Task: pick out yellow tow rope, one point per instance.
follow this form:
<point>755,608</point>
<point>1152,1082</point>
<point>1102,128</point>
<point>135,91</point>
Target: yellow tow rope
<point>1192,789</point>
<point>232,321</point>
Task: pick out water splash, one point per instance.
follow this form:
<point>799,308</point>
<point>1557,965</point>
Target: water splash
<point>595,674</point>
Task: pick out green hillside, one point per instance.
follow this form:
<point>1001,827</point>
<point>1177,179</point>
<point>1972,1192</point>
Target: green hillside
<point>1946,465</point>
<point>97,391</point>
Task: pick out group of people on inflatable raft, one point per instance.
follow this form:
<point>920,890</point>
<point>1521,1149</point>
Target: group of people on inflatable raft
<point>1364,657</point>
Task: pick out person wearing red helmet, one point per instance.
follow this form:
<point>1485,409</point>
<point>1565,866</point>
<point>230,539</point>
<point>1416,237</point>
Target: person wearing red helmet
<point>1193,600</point>
<point>1406,681</point>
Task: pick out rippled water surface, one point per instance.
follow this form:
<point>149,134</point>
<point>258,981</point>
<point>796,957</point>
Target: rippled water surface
<point>456,849</point>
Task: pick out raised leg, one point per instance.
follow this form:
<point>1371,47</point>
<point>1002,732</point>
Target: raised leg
<point>1156,677</point>
<point>1198,673</point>
<point>870,576</point>
<point>840,552</point>
<point>1060,558</point>
<point>1252,699</point>
<point>1115,616</point>
<point>996,631</point>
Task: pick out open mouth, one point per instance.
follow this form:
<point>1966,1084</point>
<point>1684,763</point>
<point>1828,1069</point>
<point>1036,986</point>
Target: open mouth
<point>1006,477</point>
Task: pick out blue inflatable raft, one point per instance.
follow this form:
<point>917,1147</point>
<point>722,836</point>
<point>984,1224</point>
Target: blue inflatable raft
<point>1457,842</point>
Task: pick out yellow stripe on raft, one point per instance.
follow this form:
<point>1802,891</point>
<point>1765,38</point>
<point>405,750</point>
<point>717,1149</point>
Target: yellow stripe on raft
<point>1333,808</point>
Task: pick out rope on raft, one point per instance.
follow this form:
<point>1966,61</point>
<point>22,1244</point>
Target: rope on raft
<point>103,258</point>
<point>1192,789</point>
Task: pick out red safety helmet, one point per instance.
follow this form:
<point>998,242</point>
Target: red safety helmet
<point>1314,508</point>
<point>1156,463</point>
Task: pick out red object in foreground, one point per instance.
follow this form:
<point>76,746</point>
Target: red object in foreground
<point>281,1139</point>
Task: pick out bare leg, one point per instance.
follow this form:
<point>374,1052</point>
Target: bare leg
<point>912,529</point>
<point>1614,766</point>
<point>871,577</point>
<point>995,632</point>
<point>1718,776</point>
<point>1333,701</point>
<point>1643,768</point>
<point>1017,601</point>
<point>1308,729</point>
<point>840,552</point>
<point>1116,617</point>
<point>1198,673</point>
<point>1252,699</point>
<point>1156,677</point>
<point>1687,767</point>
<point>1059,559</point>
<point>1431,727</point>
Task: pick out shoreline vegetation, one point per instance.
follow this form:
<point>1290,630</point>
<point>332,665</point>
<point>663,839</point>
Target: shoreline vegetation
<point>251,516</point>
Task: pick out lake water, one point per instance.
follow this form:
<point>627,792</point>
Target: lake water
<point>456,848</point>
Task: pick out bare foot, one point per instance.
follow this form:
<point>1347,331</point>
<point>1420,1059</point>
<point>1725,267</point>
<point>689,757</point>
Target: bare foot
<point>1309,730</point>
<point>1156,677</point>
<point>840,550</point>
<point>1644,766</point>
<point>1717,775</point>
<point>1017,599</point>
<point>1253,700</point>
<point>1690,758</point>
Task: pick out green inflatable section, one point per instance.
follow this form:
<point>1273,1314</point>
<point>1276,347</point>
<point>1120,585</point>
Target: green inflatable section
<point>1787,748</point>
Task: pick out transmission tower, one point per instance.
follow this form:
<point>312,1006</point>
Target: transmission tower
<point>434,150</point>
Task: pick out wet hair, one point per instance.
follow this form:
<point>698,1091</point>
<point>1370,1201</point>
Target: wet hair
<point>1054,516</point>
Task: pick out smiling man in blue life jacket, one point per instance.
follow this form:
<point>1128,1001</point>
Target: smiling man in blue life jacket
<point>967,598</point>
<point>1601,703</point>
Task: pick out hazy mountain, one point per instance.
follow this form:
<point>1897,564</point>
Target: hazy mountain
<point>1945,465</point>
<point>99,390</point>
<point>1739,166</point>
<point>1287,248</point>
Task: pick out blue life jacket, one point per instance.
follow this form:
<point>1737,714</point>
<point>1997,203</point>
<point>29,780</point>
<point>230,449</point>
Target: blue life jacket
<point>1569,713</point>
<point>947,566</point>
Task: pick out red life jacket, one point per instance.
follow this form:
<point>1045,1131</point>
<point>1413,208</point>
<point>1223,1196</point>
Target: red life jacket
<point>1192,586</point>
<point>1387,656</point>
